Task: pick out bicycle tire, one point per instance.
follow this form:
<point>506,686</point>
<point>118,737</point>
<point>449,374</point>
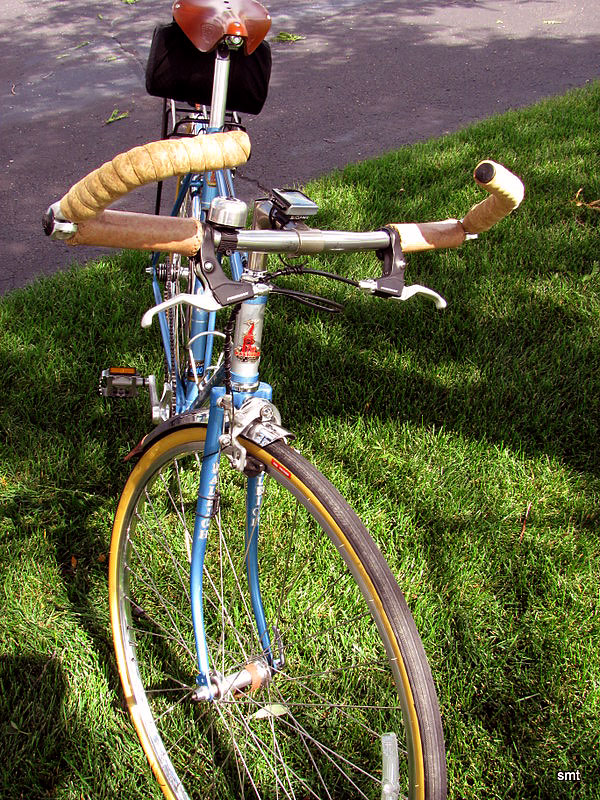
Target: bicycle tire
<point>370,650</point>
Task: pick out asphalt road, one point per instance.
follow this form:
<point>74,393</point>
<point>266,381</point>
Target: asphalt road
<point>367,77</point>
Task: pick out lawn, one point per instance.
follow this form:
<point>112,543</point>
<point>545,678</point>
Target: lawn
<point>467,440</point>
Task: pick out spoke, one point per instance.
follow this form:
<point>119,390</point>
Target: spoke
<point>279,756</point>
<point>262,747</point>
<point>140,559</point>
<point>323,704</point>
<point>326,591</point>
<point>178,508</point>
<point>164,536</point>
<point>258,741</point>
<point>186,766</point>
<point>299,730</point>
<point>164,690</point>
<point>237,572</point>
<point>328,704</point>
<point>225,615</point>
<point>329,753</point>
<point>343,709</point>
<point>150,585</point>
<point>284,591</point>
<point>173,706</point>
<point>166,633</point>
<point>182,520</point>
<point>314,763</point>
<point>237,749</point>
<point>338,670</point>
<point>165,604</point>
<point>344,624</point>
<point>164,636</point>
<point>234,572</point>
<point>272,723</point>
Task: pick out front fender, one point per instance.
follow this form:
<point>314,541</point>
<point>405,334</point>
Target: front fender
<point>187,420</point>
<point>261,432</point>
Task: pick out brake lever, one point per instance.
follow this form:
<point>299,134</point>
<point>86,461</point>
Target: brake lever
<point>205,302</point>
<point>391,283</point>
<point>406,293</point>
<point>416,288</point>
<point>219,290</point>
<point>208,268</point>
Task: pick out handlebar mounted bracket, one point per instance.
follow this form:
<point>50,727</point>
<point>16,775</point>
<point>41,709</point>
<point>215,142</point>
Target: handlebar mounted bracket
<point>208,268</point>
<point>391,282</point>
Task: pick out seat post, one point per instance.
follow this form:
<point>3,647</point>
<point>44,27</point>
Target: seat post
<point>220,86</point>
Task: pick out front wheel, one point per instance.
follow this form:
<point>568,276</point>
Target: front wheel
<point>345,665</point>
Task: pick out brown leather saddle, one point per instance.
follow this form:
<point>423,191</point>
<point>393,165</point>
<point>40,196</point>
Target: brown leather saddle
<point>206,22</point>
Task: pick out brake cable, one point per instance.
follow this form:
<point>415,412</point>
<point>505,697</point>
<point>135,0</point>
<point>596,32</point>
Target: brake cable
<point>311,300</point>
<point>300,269</point>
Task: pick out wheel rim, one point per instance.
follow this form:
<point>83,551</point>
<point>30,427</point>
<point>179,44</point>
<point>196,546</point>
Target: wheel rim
<point>314,729</point>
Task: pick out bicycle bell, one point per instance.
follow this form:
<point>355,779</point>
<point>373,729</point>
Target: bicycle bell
<point>229,212</point>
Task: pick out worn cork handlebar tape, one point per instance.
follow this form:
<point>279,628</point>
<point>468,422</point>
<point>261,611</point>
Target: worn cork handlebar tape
<point>140,232</point>
<point>506,193</point>
<point>151,162</point>
<point>417,236</point>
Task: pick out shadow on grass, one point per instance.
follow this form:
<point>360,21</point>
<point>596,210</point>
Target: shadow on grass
<point>60,472</point>
<point>42,745</point>
<point>47,748</point>
<point>520,646</point>
<point>527,381</point>
<point>34,732</point>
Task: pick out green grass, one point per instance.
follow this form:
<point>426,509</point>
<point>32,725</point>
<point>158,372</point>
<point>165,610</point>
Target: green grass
<point>467,440</point>
<point>290,38</point>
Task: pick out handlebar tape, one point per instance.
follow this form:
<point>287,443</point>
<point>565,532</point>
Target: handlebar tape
<point>140,232</point>
<point>180,235</point>
<point>418,236</point>
<point>184,235</point>
<point>151,162</point>
<point>506,192</point>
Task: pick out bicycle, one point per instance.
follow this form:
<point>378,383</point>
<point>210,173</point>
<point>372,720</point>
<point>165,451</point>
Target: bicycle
<point>263,643</point>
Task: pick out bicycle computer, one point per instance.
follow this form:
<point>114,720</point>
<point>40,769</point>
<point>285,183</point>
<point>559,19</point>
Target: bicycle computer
<point>293,203</point>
